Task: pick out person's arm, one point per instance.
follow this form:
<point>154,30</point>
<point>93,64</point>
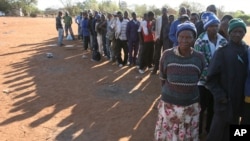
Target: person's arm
<point>199,46</point>
<point>162,72</point>
<point>158,29</point>
<point>214,77</point>
<point>128,30</point>
<point>145,28</point>
<point>172,32</point>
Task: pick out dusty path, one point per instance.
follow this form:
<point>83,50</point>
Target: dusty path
<point>68,98</point>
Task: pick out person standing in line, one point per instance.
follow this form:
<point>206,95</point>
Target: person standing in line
<point>160,26</point>
<point>133,39</point>
<point>194,18</point>
<point>173,27</point>
<point>59,28</point>
<point>199,25</point>
<point>126,15</point>
<point>224,26</point>
<point>113,26</point>
<point>168,42</point>
<point>207,43</point>
<point>67,25</point>
<point>143,22</point>
<point>91,30</point>
<point>78,21</point>
<point>148,46</point>
<point>99,33</point>
<point>227,73</point>
<point>122,43</point>
<point>180,70</point>
<point>85,31</point>
<point>103,28</point>
<point>109,36</point>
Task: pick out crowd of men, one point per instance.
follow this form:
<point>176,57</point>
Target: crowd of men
<point>127,40</point>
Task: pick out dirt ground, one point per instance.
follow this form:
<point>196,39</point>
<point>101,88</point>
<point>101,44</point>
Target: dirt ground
<point>67,97</point>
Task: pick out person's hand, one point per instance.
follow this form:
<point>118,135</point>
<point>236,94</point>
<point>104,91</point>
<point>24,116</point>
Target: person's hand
<point>157,40</point>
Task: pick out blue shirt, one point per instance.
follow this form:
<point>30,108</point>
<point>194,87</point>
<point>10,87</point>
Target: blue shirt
<point>172,32</point>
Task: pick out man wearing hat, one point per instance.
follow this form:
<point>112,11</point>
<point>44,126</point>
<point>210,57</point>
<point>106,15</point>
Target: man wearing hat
<point>226,78</point>
<point>180,69</point>
<point>207,43</point>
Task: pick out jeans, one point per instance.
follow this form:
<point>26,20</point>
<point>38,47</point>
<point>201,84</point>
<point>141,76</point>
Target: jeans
<point>60,36</point>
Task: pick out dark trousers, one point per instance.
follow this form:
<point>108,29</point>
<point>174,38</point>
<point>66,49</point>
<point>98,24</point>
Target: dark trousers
<point>121,45</point>
<point>206,103</point>
<point>104,44</point>
<point>86,42</point>
<point>133,47</point>
<point>219,130</point>
<point>147,55</point>
<point>80,36</point>
<point>219,127</point>
<point>157,54</point>
<point>246,115</point>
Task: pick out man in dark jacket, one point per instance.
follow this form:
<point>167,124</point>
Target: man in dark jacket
<point>133,39</point>
<point>226,78</point>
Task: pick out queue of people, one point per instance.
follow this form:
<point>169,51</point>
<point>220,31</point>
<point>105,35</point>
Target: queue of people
<point>202,62</point>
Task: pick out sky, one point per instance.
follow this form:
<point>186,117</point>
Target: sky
<point>228,5</point>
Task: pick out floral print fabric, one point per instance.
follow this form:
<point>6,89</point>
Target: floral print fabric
<point>177,123</point>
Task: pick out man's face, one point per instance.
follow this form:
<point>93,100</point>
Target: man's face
<point>213,29</point>
<point>237,34</point>
<point>164,11</point>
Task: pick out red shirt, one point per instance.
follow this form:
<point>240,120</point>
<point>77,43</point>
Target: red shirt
<point>150,36</point>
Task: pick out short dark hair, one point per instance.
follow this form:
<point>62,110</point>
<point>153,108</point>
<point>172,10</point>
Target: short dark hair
<point>227,17</point>
<point>150,13</point>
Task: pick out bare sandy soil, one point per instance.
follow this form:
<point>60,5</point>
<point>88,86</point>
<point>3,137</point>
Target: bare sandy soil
<point>68,98</point>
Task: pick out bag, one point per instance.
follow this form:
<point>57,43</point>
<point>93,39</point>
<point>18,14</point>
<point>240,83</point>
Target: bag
<point>96,55</point>
<point>69,37</point>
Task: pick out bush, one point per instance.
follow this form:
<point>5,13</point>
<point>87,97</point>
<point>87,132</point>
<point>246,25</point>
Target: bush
<point>33,15</point>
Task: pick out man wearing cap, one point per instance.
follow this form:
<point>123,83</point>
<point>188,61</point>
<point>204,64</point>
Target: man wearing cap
<point>226,78</point>
<point>207,43</point>
<point>180,69</point>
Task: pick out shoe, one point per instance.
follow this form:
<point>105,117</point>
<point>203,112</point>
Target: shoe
<point>120,65</point>
<point>153,72</point>
<point>141,71</point>
<point>61,45</point>
<point>150,68</point>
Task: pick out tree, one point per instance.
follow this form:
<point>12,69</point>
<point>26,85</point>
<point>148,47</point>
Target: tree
<point>4,5</point>
<point>193,6</point>
<point>141,9</point>
<point>108,6</point>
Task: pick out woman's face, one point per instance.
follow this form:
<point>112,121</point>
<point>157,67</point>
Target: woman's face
<point>186,39</point>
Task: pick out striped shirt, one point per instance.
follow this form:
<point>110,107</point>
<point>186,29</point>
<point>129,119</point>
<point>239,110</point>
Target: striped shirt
<point>121,29</point>
<point>181,75</point>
